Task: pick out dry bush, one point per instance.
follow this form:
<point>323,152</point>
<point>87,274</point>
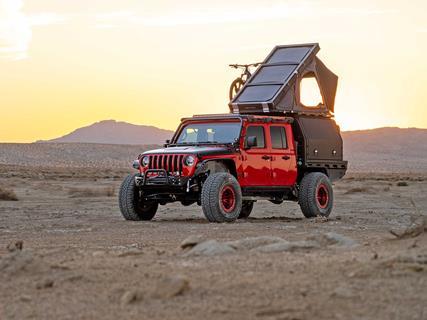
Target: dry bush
<point>402,184</point>
<point>7,195</point>
<point>91,192</point>
<point>358,190</point>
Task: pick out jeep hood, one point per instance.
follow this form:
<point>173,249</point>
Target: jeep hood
<point>197,150</point>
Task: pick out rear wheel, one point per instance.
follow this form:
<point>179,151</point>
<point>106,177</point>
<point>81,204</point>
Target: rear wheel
<point>316,195</point>
<point>221,197</point>
<point>132,205</point>
<point>247,207</point>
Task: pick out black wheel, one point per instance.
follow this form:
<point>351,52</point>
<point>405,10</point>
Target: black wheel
<point>247,207</point>
<point>132,205</point>
<point>221,197</point>
<point>235,87</point>
<point>316,195</point>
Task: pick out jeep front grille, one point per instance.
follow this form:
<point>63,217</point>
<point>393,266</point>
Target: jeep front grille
<point>168,162</point>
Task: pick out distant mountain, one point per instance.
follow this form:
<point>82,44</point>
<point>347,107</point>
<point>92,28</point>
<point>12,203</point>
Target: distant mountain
<point>391,149</point>
<point>116,132</point>
<point>376,150</point>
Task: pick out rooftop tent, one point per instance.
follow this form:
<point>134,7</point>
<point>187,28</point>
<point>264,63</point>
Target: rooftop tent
<point>275,85</point>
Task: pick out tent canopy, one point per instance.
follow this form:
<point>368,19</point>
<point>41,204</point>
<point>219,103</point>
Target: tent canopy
<point>275,85</point>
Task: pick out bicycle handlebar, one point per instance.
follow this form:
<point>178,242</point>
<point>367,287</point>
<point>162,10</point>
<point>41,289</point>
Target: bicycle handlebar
<point>235,66</point>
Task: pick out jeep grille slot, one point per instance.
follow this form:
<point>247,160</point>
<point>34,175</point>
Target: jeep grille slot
<point>168,162</point>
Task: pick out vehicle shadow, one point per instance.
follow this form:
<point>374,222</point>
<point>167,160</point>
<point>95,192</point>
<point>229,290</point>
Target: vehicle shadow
<point>202,220</point>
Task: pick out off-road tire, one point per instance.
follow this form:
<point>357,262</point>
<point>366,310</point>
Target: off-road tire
<point>215,206</point>
<point>131,206</point>
<point>312,198</point>
<point>247,207</point>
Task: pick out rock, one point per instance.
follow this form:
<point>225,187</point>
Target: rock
<point>275,247</point>
<point>333,239</point>
<point>321,219</point>
<point>171,287</point>
<point>15,246</point>
<point>340,240</point>
<point>289,246</point>
<point>45,283</point>
<point>343,292</point>
<point>415,258</point>
<point>130,297</point>
<point>130,252</point>
<point>417,227</point>
<point>17,262</point>
<point>191,241</point>
<point>254,242</point>
<point>98,253</point>
<point>25,298</point>
<point>210,248</point>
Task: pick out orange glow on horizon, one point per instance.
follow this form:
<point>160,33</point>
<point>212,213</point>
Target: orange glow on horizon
<point>65,65</point>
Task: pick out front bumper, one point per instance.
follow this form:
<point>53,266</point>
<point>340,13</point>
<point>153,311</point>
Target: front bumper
<point>159,178</point>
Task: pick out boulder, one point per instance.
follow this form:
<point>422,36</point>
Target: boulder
<point>210,248</point>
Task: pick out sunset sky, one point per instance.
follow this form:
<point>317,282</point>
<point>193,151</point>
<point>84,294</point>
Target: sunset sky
<point>65,64</point>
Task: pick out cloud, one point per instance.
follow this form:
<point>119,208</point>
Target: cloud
<point>210,16</point>
<point>16,28</point>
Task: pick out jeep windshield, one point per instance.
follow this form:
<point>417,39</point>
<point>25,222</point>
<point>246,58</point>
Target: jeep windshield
<point>209,133</point>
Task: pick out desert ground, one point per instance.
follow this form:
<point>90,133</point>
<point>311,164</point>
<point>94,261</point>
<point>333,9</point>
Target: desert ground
<point>66,252</point>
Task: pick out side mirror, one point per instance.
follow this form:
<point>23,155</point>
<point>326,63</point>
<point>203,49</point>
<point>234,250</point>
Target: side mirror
<point>167,142</point>
<point>251,142</point>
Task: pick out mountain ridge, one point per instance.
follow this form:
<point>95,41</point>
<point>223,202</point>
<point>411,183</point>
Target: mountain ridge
<point>114,132</point>
<point>121,132</point>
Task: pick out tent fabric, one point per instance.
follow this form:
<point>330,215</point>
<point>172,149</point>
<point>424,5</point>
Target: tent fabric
<point>275,85</point>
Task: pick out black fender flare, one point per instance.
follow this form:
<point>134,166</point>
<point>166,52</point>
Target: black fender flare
<point>228,162</point>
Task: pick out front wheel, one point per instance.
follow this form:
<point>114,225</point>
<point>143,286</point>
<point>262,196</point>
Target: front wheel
<point>221,197</point>
<point>315,195</point>
<point>132,205</point>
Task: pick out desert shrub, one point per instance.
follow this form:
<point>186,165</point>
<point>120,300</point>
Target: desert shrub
<point>91,192</point>
<point>402,184</point>
<point>358,190</point>
<point>7,195</point>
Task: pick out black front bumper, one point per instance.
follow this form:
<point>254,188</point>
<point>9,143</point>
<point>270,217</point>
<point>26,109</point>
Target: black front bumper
<point>161,179</point>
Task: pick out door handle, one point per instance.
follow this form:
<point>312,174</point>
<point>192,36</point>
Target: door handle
<point>286,157</point>
<point>266,157</point>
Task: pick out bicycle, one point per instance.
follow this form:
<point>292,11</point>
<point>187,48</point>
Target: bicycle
<point>238,83</point>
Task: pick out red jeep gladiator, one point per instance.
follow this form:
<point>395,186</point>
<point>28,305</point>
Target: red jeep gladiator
<point>270,147</point>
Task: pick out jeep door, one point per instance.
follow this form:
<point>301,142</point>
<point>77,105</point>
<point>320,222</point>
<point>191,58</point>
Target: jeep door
<point>256,160</point>
<point>282,152</point>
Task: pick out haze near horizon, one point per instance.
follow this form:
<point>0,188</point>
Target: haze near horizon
<point>66,64</point>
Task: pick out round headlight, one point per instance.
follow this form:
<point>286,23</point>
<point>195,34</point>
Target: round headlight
<point>135,164</point>
<point>189,161</point>
<point>145,161</point>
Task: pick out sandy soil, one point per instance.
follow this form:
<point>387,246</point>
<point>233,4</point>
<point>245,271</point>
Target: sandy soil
<point>81,260</point>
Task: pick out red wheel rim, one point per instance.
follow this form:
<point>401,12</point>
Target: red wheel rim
<point>228,199</point>
<point>322,196</point>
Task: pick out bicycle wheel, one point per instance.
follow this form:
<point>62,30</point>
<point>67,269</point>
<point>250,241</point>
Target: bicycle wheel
<point>235,87</point>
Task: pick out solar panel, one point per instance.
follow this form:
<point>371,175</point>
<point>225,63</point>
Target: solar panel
<point>271,80</point>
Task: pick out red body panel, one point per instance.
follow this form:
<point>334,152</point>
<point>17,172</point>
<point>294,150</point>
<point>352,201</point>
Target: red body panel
<point>255,171</point>
<point>275,171</point>
<point>264,166</point>
<point>283,161</point>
